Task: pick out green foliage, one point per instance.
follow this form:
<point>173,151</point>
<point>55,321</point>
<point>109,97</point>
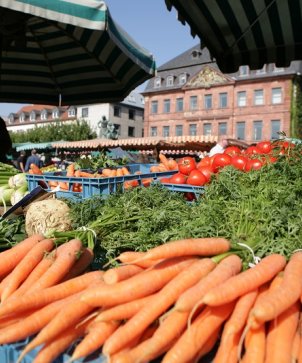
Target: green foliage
<point>296,109</point>
<point>78,130</point>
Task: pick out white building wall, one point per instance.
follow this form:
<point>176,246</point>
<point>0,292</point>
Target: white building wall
<point>95,114</point>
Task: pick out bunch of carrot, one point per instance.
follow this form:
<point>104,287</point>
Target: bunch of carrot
<point>175,301</point>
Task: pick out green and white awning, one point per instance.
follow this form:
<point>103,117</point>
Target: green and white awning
<point>245,32</point>
<point>67,52</point>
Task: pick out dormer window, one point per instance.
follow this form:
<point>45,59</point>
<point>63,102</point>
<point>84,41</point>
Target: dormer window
<point>131,98</point>
<point>22,117</point>
<point>243,71</point>
<point>44,115</point>
<point>32,116</point>
<point>196,54</point>
<point>71,112</point>
<point>182,78</point>
<point>170,81</point>
<point>157,82</point>
<point>11,119</point>
<point>55,113</point>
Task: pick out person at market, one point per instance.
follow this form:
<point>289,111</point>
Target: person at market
<point>21,160</point>
<point>5,142</point>
<point>33,159</point>
<point>219,147</point>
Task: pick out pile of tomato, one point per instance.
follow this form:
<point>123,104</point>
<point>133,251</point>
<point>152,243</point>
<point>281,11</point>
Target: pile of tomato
<point>253,158</point>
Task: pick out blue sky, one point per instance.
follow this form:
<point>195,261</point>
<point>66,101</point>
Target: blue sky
<point>151,25</point>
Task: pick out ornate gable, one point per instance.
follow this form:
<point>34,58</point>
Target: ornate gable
<point>207,78</point>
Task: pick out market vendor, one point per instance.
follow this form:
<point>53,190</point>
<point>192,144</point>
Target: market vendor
<point>219,147</point>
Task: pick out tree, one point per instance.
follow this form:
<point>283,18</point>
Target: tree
<point>75,131</point>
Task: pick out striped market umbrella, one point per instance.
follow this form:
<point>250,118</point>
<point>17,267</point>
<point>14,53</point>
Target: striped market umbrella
<point>245,32</point>
<point>63,52</point>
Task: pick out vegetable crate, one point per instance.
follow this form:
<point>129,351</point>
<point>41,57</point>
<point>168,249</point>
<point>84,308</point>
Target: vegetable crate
<point>185,188</point>
<point>91,186</point>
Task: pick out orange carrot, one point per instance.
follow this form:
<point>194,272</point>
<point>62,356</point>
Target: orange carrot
<point>119,172</point>
<point>123,311</point>
<point>36,273</point>
<point>70,170</point>
<point>33,323</point>
<point>120,273</point>
<point>53,348</point>
<point>157,305</point>
<point>234,325</point>
<point>35,169</point>
<point>53,183</point>
<point>296,344</point>
<point>154,169</point>
<point>281,334</point>
<point>188,247</point>
<point>66,318</point>
<point>137,286</point>
<point>194,338</point>
<point>48,295</point>
<point>9,259</point>
<point>255,342</point>
<point>130,256</point>
<point>208,345</point>
<point>168,331</point>
<point>164,161</point>
<point>228,267</point>
<point>81,264</point>
<point>95,338</point>
<point>66,258</point>
<point>85,174</point>
<point>281,298</point>
<point>125,171</point>
<point>26,266</point>
<point>246,281</point>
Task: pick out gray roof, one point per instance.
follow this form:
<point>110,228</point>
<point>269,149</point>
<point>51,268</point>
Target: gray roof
<point>195,58</point>
<point>134,99</point>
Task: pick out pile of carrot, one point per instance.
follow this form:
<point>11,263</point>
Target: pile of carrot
<point>176,301</point>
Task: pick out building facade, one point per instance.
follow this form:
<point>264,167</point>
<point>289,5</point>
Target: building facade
<point>190,96</point>
<point>127,116</point>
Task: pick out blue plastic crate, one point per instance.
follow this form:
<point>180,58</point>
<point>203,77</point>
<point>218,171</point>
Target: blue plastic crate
<point>185,188</point>
<point>92,186</point>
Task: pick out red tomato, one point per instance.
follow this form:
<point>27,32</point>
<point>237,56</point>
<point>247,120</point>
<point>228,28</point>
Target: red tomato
<point>252,150</point>
<point>178,178</point>
<point>186,165</point>
<point>190,196</point>
<point>207,171</point>
<point>196,178</point>
<point>206,161</point>
<point>232,150</point>
<point>165,180</point>
<point>265,147</point>
<point>239,162</point>
<point>221,160</point>
<point>253,164</point>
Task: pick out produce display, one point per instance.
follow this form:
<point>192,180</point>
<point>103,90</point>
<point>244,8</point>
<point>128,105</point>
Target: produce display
<point>143,276</point>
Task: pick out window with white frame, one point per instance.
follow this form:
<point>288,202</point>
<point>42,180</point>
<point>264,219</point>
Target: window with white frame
<point>154,106</point>
<point>182,78</point>
<point>193,103</point>
<point>44,115</point>
<point>166,131</point>
<point>258,97</point>
<point>170,81</point>
<point>193,129</point>
<point>71,112</point>
<point>257,130</point>
<point>240,130</point>
<point>22,117</point>
<point>208,101</point>
<point>207,129</point>
<point>157,82</point>
<point>222,128</point>
<point>85,112</point>
<point>241,98</point>
<point>32,116</point>
<point>179,104</point>
<point>55,113</point>
<point>276,95</point>
<point>167,104</point>
<point>223,100</point>
<point>153,131</point>
<point>244,71</point>
<point>275,129</point>
<point>11,118</point>
<point>178,130</point>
